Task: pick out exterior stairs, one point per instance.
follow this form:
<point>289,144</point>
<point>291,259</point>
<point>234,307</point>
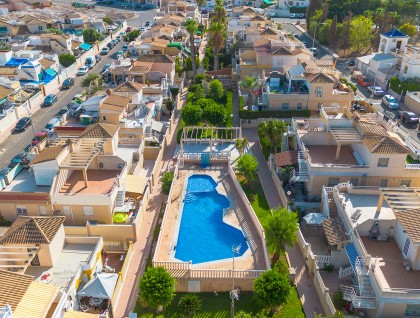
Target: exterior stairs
<point>302,175</point>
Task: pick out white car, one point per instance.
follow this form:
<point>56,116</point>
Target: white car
<point>82,71</point>
<point>376,90</point>
<point>390,101</point>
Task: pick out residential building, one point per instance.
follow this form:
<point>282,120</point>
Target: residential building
<point>371,236</point>
<point>283,7</point>
<point>54,43</point>
<point>343,146</point>
<point>35,24</point>
<point>73,20</point>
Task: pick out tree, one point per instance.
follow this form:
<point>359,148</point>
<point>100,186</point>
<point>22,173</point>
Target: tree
<point>66,59</point>
<point>190,304</point>
<point>199,79</point>
<point>108,20</point>
<point>247,165</point>
<point>214,114</point>
<point>167,182</point>
<point>273,130</point>
<point>313,6</point>
<point>216,90</point>
<point>200,4</point>
<point>90,35</point>
<point>281,230</point>
<point>131,36</point>
<point>332,32</point>
<point>157,287</point>
<point>345,35</point>
<point>91,79</point>
<point>241,145</point>
<point>243,314</point>
<point>55,31</point>
<point>170,105</point>
<point>191,114</point>
<point>192,26</point>
<point>219,13</point>
<point>271,289</point>
<point>217,36</point>
<point>338,314</point>
<point>324,9</point>
<point>249,85</point>
<point>360,33</point>
<point>408,29</point>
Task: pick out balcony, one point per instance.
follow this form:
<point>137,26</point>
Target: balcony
<point>333,118</point>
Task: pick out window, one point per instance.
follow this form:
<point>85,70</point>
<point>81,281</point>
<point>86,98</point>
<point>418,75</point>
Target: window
<point>383,183</point>
<point>383,162</point>
<point>412,311</point>
<point>40,28</point>
<point>319,91</point>
<point>66,210</point>
<point>406,183</point>
<point>104,118</point>
<point>87,211</point>
<point>333,182</point>
<point>284,105</point>
<point>299,106</point>
<point>3,29</point>
<point>405,69</point>
<point>354,181</point>
<point>406,246</point>
<point>43,210</point>
<point>21,210</point>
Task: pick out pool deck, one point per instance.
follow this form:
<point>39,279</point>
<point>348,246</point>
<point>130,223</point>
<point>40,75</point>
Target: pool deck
<point>249,260</point>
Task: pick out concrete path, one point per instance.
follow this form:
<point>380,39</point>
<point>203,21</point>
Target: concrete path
<point>143,245</point>
<point>303,280</point>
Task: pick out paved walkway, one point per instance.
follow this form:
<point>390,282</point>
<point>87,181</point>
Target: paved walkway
<point>303,280</point>
<point>143,245</point>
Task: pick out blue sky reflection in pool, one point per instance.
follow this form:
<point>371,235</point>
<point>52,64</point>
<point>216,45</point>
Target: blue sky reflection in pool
<point>203,236</point>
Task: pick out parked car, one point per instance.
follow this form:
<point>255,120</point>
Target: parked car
<point>375,90</point>
<point>90,62</point>
<point>114,42</point>
<point>98,57</point>
<point>300,15</point>
<point>118,38</point>
<point>62,111</point>
<point>125,48</point>
<point>305,43</point>
<point>105,68</point>
<point>20,157</point>
<point>51,125</point>
<point>390,101</point>
<point>39,137</point>
<point>50,100</point>
<point>22,124</point>
<point>74,109</point>
<point>82,71</point>
<point>147,24</point>
<point>296,36</point>
<point>110,45</point>
<point>67,83</point>
<point>292,16</point>
<point>409,118</point>
<point>105,51</point>
<point>119,54</point>
<point>314,51</point>
<point>364,81</point>
<point>352,63</point>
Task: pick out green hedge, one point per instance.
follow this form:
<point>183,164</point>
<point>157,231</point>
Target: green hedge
<point>297,10</point>
<point>241,103</point>
<point>246,114</point>
<point>350,84</point>
<point>408,85</point>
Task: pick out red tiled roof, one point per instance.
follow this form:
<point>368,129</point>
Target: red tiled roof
<point>286,158</point>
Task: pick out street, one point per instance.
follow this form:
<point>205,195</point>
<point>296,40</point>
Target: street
<point>15,143</point>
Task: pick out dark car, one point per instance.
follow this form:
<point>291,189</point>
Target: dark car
<point>352,63</point>
<point>49,100</point>
<point>20,157</point>
<point>110,45</point>
<point>62,111</point>
<point>98,57</point>
<point>410,118</point>
<point>114,42</point>
<point>22,124</point>
<point>68,82</point>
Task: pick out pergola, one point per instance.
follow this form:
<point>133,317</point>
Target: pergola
<point>345,136</point>
<point>399,198</point>
<point>17,258</point>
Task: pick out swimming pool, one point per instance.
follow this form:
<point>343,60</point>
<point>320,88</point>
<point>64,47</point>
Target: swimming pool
<point>203,236</point>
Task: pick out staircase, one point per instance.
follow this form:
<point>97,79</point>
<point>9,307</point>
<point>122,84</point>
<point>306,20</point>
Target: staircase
<point>302,175</point>
<point>332,206</point>
<point>345,272</point>
<point>189,197</point>
<point>119,201</point>
<point>263,100</point>
<point>285,142</point>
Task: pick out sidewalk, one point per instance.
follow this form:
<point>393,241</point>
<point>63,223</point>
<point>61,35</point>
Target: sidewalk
<point>303,280</point>
<point>143,245</point>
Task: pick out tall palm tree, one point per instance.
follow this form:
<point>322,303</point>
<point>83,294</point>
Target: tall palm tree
<point>200,4</point>
<point>219,12</point>
<point>249,84</point>
<point>192,27</point>
<point>217,35</point>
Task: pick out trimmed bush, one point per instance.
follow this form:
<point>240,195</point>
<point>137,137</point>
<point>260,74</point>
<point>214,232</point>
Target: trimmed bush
<point>167,182</point>
<point>408,85</point>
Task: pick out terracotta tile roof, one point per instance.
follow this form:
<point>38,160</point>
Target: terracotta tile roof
<point>249,10</point>
<point>5,92</point>
<point>334,231</point>
<point>75,44</point>
<point>300,51</point>
<point>166,30</point>
<point>128,87</point>
<point>47,154</point>
<point>410,220</point>
<point>282,51</point>
<point>12,288</point>
<point>155,58</point>
<point>371,128</point>
<point>46,63</point>
<point>321,78</point>
<point>268,31</point>
<point>224,71</point>
<point>116,100</point>
<point>286,158</point>
<point>141,68</point>
<point>257,18</point>
<point>6,70</point>
<point>384,145</point>
<point>100,131</point>
<point>33,230</point>
<point>159,44</point>
<point>113,108</point>
<point>165,37</point>
<point>263,42</point>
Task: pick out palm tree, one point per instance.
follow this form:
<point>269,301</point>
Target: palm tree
<point>219,12</point>
<point>192,27</point>
<point>241,145</point>
<point>200,4</point>
<point>280,231</point>
<point>217,35</point>
<point>249,84</point>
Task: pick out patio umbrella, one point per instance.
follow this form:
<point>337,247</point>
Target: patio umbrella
<point>314,218</point>
<point>120,217</point>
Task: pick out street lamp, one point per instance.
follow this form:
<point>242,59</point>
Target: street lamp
<point>313,41</point>
<point>234,293</point>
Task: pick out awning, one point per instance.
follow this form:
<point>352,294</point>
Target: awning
<point>135,184</point>
<point>101,286</point>
<point>79,314</point>
<point>85,46</point>
<point>157,126</point>
<point>51,72</point>
<point>314,218</point>
<point>37,300</point>
<point>268,2</point>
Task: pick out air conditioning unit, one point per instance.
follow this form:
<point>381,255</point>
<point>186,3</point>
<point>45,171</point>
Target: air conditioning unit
<point>120,166</point>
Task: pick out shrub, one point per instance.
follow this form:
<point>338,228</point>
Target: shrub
<point>245,114</point>
<point>352,86</point>
<point>91,35</point>
<point>167,182</point>
<point>4,222</point>
<point>215,90</point>
<point>247,165</point>
<point>214,114</point>
<point>190,304</point>
<point>338,300</point>
<point>199,78</point>
<point>157,287</point>
<point>66,59</point>
<point>241,103</point>
<point>229,108</point>
<point>408,85</point>
<point>191,114</point>
<point>108,20</point>
<point>174,91</point>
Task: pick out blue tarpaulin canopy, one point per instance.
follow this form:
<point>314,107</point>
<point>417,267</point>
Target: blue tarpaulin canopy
<point>16,62</point>
<point>85,46</point>
<point>49,75</point>
<point>268,2</point>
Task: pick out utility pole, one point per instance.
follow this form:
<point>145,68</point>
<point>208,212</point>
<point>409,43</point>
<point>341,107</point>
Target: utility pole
<point>234,293</point>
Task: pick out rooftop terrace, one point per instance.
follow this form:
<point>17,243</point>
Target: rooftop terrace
<point>324,155</point>
<point>25,182</point>
<point>99,182</point>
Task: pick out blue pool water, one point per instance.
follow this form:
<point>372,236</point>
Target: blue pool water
<point>203,237</point>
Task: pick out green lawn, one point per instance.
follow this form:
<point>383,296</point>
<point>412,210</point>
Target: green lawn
<point>229,108</point>
<point>211,306</point>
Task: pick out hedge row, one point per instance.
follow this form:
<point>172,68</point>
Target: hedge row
<point>409,85</point>
<point>246,114</point>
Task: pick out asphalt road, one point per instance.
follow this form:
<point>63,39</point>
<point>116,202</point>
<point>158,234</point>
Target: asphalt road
<point>16,142</point>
